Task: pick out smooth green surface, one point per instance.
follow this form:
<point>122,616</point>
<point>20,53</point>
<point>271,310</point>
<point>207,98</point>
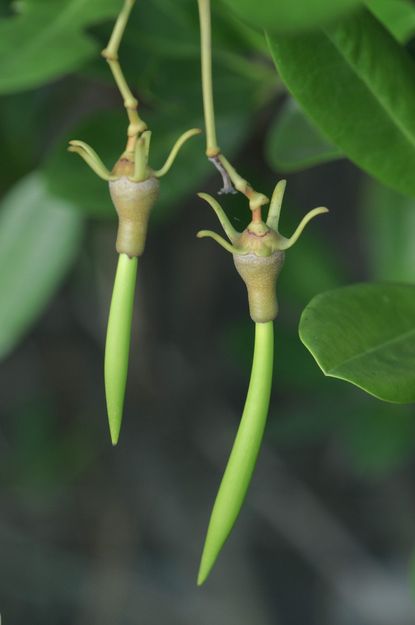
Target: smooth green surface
<point>398,16</point>
<point>387,221</point>
<point>357,84</point>
<point>245,450</point>
<point>290,15</point>
<point>294,143</point>
<point>40,236</point>
<point>117,346</point>
<point>365,334</point>
<point>47,38</point>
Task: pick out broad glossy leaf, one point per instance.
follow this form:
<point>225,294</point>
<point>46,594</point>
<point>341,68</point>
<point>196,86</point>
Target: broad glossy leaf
<point>294,143</point>
<point>47,38</point>
<point>365,334</point>
<point>39,238</point>
<point>398,16</point>
<point>290,15</point>
<point>357,84</point>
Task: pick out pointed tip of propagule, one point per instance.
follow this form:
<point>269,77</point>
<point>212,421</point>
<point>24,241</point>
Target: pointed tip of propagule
<point>201,578</point>
<point>115,435</point>
<point>206,565</point>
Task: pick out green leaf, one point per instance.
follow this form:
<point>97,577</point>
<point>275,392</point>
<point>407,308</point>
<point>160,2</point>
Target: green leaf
<point>69,177</point>
<point>365,334</point>
<point>48,39</point>
<point>294,143</point>
<point>388,223</point>
<point>357,84</point>
<point>398,16</point>
<point>378,437</point>
<point>290,15</point>
<point>39,239</point>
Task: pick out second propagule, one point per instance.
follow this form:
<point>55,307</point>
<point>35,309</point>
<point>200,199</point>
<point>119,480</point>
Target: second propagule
<point>258,254</point>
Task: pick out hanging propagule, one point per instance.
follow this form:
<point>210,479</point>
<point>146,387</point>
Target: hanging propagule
<point>258,254</point>
<point>134,189</point>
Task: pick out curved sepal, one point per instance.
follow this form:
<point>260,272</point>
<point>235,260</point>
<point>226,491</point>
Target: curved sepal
<point>285,243</point>
<point>91,158</point>
<point>230,231</point>
<point>274,212</point>
<point>220,240</point>
<point>175,150</point>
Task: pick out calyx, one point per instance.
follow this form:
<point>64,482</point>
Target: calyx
<point>134,185</point>
<point>259,251</point>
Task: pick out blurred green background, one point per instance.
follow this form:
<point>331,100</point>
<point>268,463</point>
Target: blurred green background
<point>91,534</point>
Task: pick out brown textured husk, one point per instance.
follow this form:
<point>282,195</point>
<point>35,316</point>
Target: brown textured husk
<point>260,275</point>
<point>133,202</point>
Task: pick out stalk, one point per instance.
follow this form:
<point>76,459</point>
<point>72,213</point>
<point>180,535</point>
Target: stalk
<point>117,346</point>
<point>242,459</point>
<point>231,179</point>
<point>212,148</point>
<point>134,189</point>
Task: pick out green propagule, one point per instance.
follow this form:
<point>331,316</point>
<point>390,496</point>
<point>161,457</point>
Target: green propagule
<point>134,189</point>
<point>258,253</point>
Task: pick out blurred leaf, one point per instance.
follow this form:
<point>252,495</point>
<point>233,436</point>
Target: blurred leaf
<point>27,123</point>
<point>398,16</point>
<point>289,15</point>
<point>388,221</point>
<point>332,75</point>
<point>39,238</point>
<point>294,143</point>
<point>378,438</point>
<point>45,454</point>
<point>5,8</point>
<point>324,271</point>
<point>70,178</point>
<point>373,437</point>
<point>47,39</point>
<point>412,574</point>
<point>365,334</point>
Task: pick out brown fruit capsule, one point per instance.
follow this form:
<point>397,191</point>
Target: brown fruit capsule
<point>134,186</point>
<point>259,265</point>
<point>133,202</point>
<point>260,275</point>
<point>258,252</point>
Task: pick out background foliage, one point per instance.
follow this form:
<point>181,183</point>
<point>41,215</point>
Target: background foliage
<point>92,535</point>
